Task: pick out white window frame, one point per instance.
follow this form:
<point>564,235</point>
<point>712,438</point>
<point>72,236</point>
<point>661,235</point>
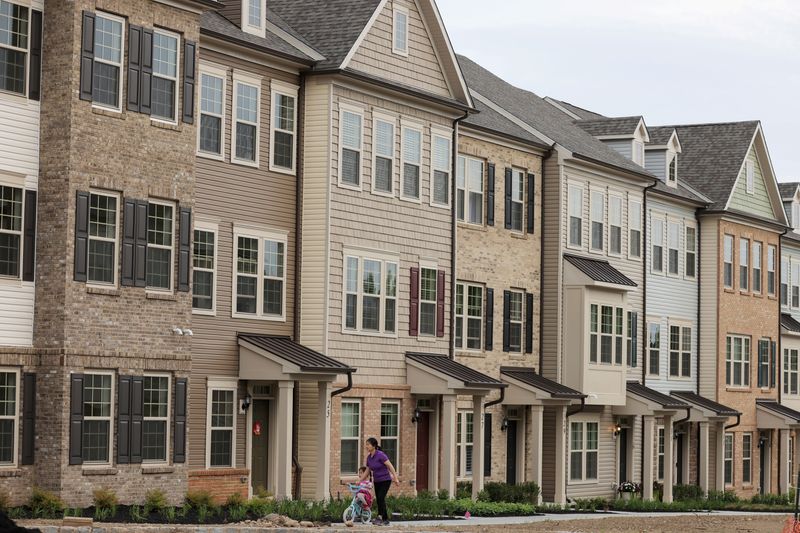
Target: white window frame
<point>584,451</point>
<point>385,118</point>
<point>427,266</point>
<point>747,471</point>
<point>406,126</point>
<point>728,261</point>
<point>682,328</point>
<point>120,65</point>
<point>115,240</point>
<point>572,190</point>
<point>357,438</point>
<point>221,385</point>
<point>399,429</point>
<point>282,89</point>
<point>468,191</point>
<point>465,317</point>
<point>399,10</point>
<point>110,418</point>
<point>750,170</point>
<point>794,283</point>
<point>757,259</point>
<point>746,361</point>
<point>634,225</point>
<point>14,184</point>
<point>247,27</point>
<point>594,196</point>
<point>16,418</point>
<point>772,253</point>
<point>260,235</point>
<point>166,419</point>
<point>208,227</point>
<point>171,248</point>
<point>673,246</point>
<point>447,136</point>
<point>463,443</point>
<point>655,323</point>
<point>218,72</point>
<point>728,458</point>
<point>671,156</point>
<point>654,220</point>
<point>251,80</point>
<point>176,79</point>
<point>660,461</point>
<point>615,220</point>
<point>518,177</point>
<point>616,337</point>
<point>690,249</point>
<point>789,372</point>
<point>637,152</point>
<point>785,281</point>
<point>355,110</point>
<point>796,216</point>
<point>744,263</point>
<point>385,259</point>
<point>27,52</point>
<point>521,322</point>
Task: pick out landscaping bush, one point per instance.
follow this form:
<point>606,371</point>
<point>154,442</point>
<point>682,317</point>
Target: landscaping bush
<point>45,504</point>
<point>154,501</point>
<point>521,493</point>
<point>443,494</point>
<point>592,504</point>
<point>5,500</point>
<point>726,496</point>
<point>105,504</point>
<point>682,493</point>
<point>199,498</point>
<point>771,499</point>
<point>137,514</point>
<point>463,490</point>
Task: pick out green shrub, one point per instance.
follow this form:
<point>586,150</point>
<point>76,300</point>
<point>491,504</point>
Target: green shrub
<point>17,513</point>
<point>235,499</point>
<point>105,504</point>
<point>727,496</point>
<point>521,493</point>
<point>682,493</point>
<point>137,514</point>
<point>260,508</point>
<point>771,499</point>
<point>200,498</point>
<point>591,504</point>
<point>45,504</point>
<point>181,512</point>
<point>262,493</point>
<point>463,490</point>
<point>75,511</point>
<point>443,494</point>
<point>155,501</point>
<point>168,514</point>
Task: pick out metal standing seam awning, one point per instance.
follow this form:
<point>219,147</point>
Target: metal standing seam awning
<point>641,400</point>
<point>268,357</point>
<point>772,415</point>
<point>703,408</point>
<point>600,273</point>
<point>526,387</point>
<point>438,374</point>
<point>789,324</point>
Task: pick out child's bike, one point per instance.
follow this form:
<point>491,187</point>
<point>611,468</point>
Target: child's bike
<point>354,510</point>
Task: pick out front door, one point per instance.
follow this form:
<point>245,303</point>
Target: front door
<point>423,440</point>
<point>763,443</point>
<point>511,453</point>
<point>259,429</point>
<point>622,440</point>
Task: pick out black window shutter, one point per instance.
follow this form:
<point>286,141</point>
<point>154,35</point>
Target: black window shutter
<point>179,432</point>
<point>773,363</point>
<point>506,321</point>
<point>634,339</point>
<point>487,444</point>
<point>528,323</point>
<point>134,67</point>
<point>81,236</point>
<point>140,245</point>
<point>531,202</point>
<point>490,195</point>
<point>87,56</point>
<point>440,303</point>
<point>76,419</point>
<point>35,67</point>
<point>128,241</point>
<point>413,310</point>
<point>29,245</point>
<point>508,198</point>
<point>145,86</point>
<point>189,74</point>
<point>488,335</point>
<point>185,250</point>
<point>124,420</point>
<point>28,418</point>
<point>137,411</point>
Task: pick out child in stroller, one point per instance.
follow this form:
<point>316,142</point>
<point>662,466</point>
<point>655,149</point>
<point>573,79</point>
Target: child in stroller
<point>361,506</point>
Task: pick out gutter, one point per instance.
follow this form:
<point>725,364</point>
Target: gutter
<point>453,236</point>
<point>497,401</point>
<point>738,421</point>
<point>346,388</point>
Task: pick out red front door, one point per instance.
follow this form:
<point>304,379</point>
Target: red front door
<point>423,434</point>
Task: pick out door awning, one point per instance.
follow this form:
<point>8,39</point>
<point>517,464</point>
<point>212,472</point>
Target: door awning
<point>438,374</point>
<point>789,324</point>
<point>641,400</point>
<point>526,387</point>
<point>705,407</point>
<point>267,357</point>
<point>597,272</point>
<point>772,415</point>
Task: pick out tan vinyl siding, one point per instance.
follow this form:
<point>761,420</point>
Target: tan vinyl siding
<point>710,266</point>
<point>757,203</point>
<point>551,267</point>
<point>307,436</point>
<point>421,69</point>
<point>232,10</point>
<point>548,454</point>
<point>606,457</point>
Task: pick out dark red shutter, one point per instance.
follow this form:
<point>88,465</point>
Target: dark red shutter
<point>440,303</point>
<point>124,420</point>
<point>137,418</point>
<point>490,179</point>
<point>35,67</point>
<point>76,419</point>
<point>145,86</point>
<point>128,241</point>
<point>140,245</point>
<point>528,323</point>
<point>179,431</point>
<point>488,336</point>
<point>189,76</point>
<point>531,203</point>
<point>185,250</point>
<point>28,418</point>
<point>134,67</point>
<point>509,177</point>
<point>29,245</point>
<point>87,56</point>
<point>506,321</point>
<point>81,236</point>
<point>413,312</point>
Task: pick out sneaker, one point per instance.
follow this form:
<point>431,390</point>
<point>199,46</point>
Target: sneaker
<point>377,521</point>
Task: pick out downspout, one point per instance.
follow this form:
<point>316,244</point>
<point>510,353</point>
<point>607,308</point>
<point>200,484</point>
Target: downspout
<point>738,421</point>
<point>347,387</point>
<point>497,401</point>
<point>698,262</point>
<point>578,409</point>
<point>453,236</point>
<point>643,328</point>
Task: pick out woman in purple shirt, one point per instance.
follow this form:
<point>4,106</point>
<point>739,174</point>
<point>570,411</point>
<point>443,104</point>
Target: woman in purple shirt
<point>383,473</point>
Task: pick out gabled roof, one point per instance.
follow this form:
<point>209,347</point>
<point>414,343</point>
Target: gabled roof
<point>455,370</point>
<point>543,117</point>
<point>660,135</point>
<point>789,323</point>
<point>681,192</point>
<point>664,400</point>
<point>571,110</point>
<point>788,190</point>
<point>530,377</point>
<point>616,126</point>
<point>305,358</point>
<point>705,403</point>
<point>780,409</point>
<point>599,270</point>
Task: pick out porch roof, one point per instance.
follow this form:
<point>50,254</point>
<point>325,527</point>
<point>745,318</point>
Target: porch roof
<point>665,401</point>
<point>772,415</point>
<point>789,323</point>
<point>704,403</point>
<point>465,375</point>
<point>599,270</point>
<point>304,358</point>
<point>529,377</point>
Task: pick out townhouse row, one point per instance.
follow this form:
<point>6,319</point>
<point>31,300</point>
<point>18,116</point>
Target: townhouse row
<point>239,237</point>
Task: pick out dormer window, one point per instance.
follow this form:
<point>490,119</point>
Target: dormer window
<point>400,32</point>
<point>796,216</point>
<point>638,153</point>
<point>254,17</point>
<point>672,169</point>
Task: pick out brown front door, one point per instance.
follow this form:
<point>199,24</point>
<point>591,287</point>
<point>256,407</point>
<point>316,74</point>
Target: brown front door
<point>259,474</point>
<point>423,440</point>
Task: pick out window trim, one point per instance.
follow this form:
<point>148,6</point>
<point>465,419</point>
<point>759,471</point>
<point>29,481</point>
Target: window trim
<point>167,420</point>
<point>749,458</point>
<point>249,28</point>
<point>355,110</point>
<point>222,385</point>
<point>447,135</point>
<point>464,316</point>
<point>603,245</point>
<point>794,282</point>
<point>209,227</point>
<point>121,65</point>
<point>357,438</point>
<point>772,251</point>
<point>111,419</point>
<point>406,125</point>
<point>177,79</point>
<point>399,430</point>
<point>616,196</point>
<point>671,156</point>
<point>686,252</point>
<point>660,455</point>
<point>260,235</point>
<point>174,207</point>
<point>756,270</point>
<point>744,262</point>
<point>403,11</point>
<point>584,450</point>
<point>215,71</point>
<point>682,327</point>
<point>467,191</point>
<point>27,51</point>
<point>116,241</point>
<point>380,116</point>
<point>788,372</point>
<point>674,223</point>
<point>726,238</point>
<point>726,459</point>
<point>423,265</point>
<point>656,323</point>
<point>575,188</point>
<point>16,418</point>
<point>614,336</point>
<point>282,89</point>
<point>521,322</point>
<point>637,152</point>
<point>384,258</point>
<point>21,233</point>
<point>745,362</point>
<point>461,445</point>
<point>251,80</point>
<point>521,174</point>
<point>662,243</point>
<point>632,228</point>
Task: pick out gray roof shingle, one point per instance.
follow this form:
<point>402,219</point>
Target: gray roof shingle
<point>705,403</point>
<point>789,323</point>
<point>599,270</point>
<point>584,114</point>
<point>307,359</point>
<point>214,23</point>
<point>659,135</point>
<point>682,192</point>
<point>609,126</point>
<point>788,189</point>
<point>449,367</point>
<point>529,376</point>
<point>489,119</point>
<point>664,400</point>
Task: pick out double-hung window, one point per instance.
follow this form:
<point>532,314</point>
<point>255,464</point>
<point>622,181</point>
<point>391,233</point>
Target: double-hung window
<point>515,318</point>
<point>598,215</point>
<point>383,148</point>
<point>98,394</point>
<point>9,416</point>
<point>412,162</point>
<point>165,75</point>
<point>680,351</point>
<point>657,237</point>
<point>204,262</point>
<point>351,437</point>
<point>351,134</point>
<point>246,122</point>
<point>764,363</point>
<point>727,258</point>
<point>400,31</point>
<point>790,371</point>
<point>108,55</point>
<point>747,458</point>
<point>427,301</point>
<point>660,453</point>
<point>575,193</point>
<point>370,294</point>
<point>464,440</point>
<point>10,231</point>
<point>440,170</point>
<point>795,280</point>
<point>155,424</point>
<point>771,253</point>
<point>615,225</point>
<point>254,17</point>
<point>690,260</point>
<point>221,435</point>
<point>583,451</point>
<point>673,247</point>
<point>14,30</point>
<point>653,348</point>
<point>672,169</point>
<point>469,184</point>
<point>260,275</point>
<point>517,199</point>
<point>213,82</point>
<point>469,316</point>
<point>606,334</point>
<point>737,361</point>
<point>785,281</point>
<point>728,459</point>
<point>744,264</point>
<point>283,128</point>
<point>390,430</point>
<point>635,229</point>
<point>102,260</point>
<point>160,237</point>
<point>757,267</point>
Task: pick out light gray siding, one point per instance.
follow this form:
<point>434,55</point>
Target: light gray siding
<point>623,146</point>
<point>655,162</point>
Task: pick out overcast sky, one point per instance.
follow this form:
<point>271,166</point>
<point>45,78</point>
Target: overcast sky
<point>676,62</point>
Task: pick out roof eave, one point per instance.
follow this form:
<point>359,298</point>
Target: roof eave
<point>640,175</point>
<point>538,145</point>
<point>678,198</point>
<point>300,61</point>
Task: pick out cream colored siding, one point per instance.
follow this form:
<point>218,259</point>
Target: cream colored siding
<point>606,457</point>
<point>421,69</point>
<point>757,203</point>
<point>551,267</point>
<point>307,436</point>
<point>710,265</point>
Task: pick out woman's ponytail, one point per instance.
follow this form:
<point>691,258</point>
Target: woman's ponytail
<point>374,443</point>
